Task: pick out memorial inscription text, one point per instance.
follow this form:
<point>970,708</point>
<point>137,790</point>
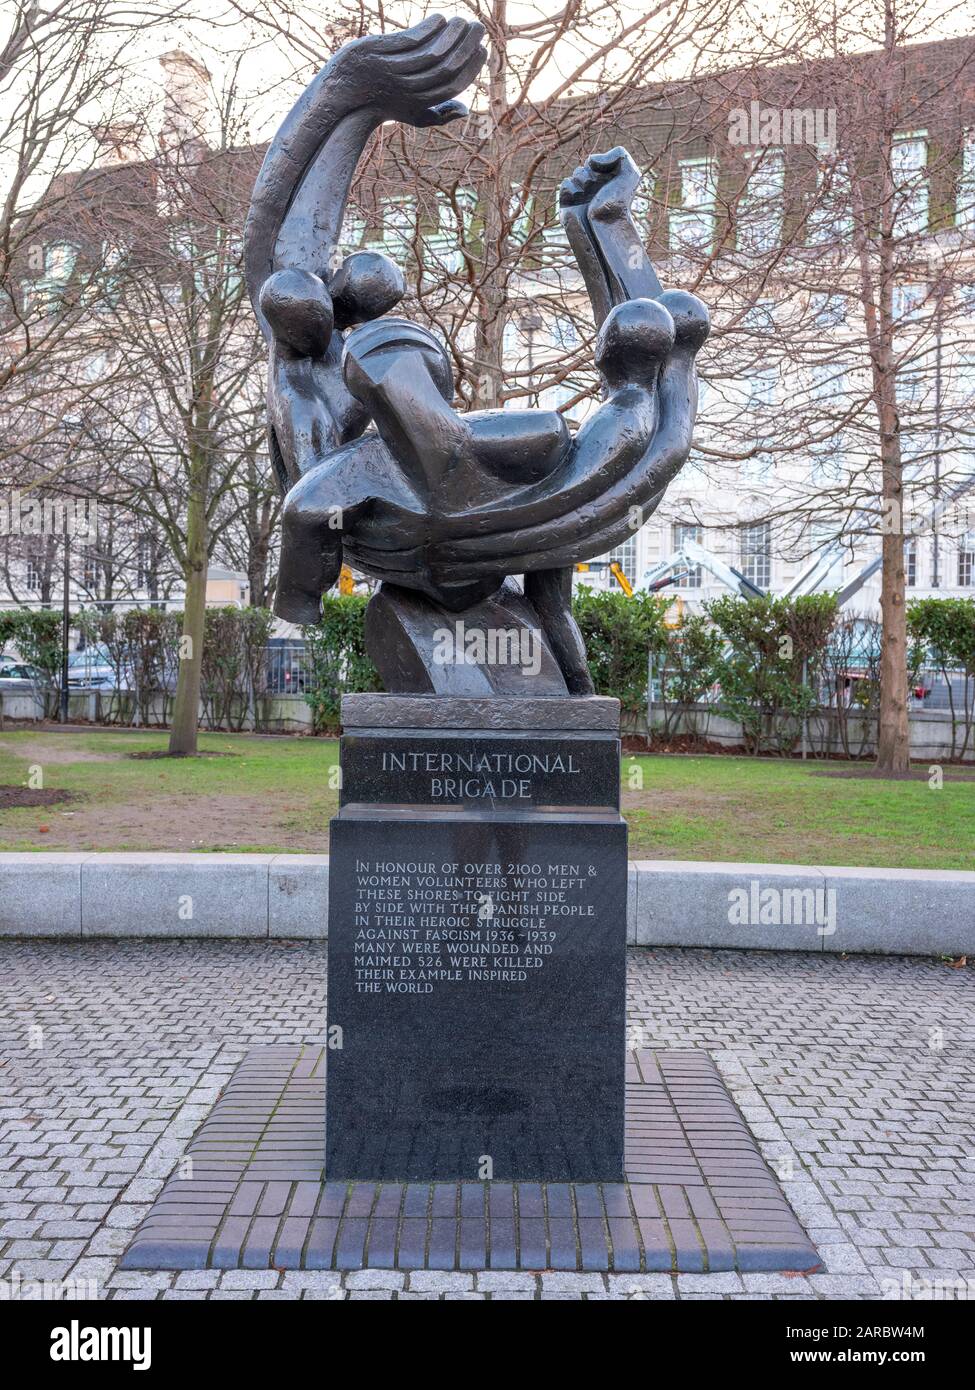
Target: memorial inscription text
<point>417,925</point>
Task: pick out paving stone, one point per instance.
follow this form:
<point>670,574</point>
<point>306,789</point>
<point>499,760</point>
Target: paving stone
<point>375,1279</point>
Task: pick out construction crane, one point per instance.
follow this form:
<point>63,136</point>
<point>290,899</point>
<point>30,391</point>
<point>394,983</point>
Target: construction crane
<point>824,559</point>
<point>615,569</point>
<point>690,556</point>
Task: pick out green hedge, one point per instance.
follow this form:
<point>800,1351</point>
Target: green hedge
<point>942,631</point>
<point>335,658</point>
<point>770,666</point>
<point>37,635</point>
<point>619,633</point>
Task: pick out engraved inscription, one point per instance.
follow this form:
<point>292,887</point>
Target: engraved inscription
<point>463,774</point>
<point>419,925</point>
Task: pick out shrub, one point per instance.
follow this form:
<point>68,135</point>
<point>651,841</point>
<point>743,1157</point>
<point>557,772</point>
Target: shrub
<point>943,631</point>
<point>38,636</point>
<point>335,651</point>
<point>619,633</point>
<point>234,642</point>
<point>690,667</point>
<point>771,664</point>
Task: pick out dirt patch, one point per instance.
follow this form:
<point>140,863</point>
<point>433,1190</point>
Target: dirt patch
<point>680,743</point>
<point>34,796</point>
<point>188,821</point>
<point>43,752</point>
<point>952,773</point>
<point>153,754</point>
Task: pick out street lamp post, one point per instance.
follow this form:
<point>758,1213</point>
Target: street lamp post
<point>65,622</point>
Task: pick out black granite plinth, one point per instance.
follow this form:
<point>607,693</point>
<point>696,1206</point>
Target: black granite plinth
<point>487,770</point>
<point>477,937</point>
<point>544,712</point>
<point>476,971</point>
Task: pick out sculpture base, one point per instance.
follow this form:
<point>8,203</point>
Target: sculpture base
<point>477,936</point>
<point>697,1194</point>
<point>496,647</point>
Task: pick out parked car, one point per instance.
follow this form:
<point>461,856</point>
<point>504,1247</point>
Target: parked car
<point>90,670</point>
<point>19,675</point>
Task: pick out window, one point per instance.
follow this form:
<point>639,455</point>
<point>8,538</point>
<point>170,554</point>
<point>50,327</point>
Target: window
<point>966,561</point>
<point>642,205</point>
<point>454,230</point>
<point>913,392</point>
<point>909,300</point>
<point>520,212</point>
<point>32,572</point>
<point>555,397</point>
<point>565,335</point>
<point>399,226</point>
<point>143,561</point>
<point>89,567</point>
<point>683,531</point>
<point>829,461</point>
<point>823,548</point>
<point>910,564</point>
<point>962,378</point>
<point>625,556</point>
<point>830,402</point>
<point>511,343</point>
<point>756,554</point>
<point>965,199</point>
<point>760,209</point>
<point>59,260</point>
<point>692,228</point>
<point>760,316</point>
<point>829,218</point>
<point>353,228</point>
<point>829,310</point>
<point>759,389</point>
<point>908,167</point>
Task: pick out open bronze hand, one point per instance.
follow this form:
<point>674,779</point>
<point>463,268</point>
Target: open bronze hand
<point>415,73</point>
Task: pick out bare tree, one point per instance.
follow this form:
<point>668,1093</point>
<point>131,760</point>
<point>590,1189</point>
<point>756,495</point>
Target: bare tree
<point>823,206</point>
<point>67,84</point>
<point>184,420</point>
<point>471,210</point>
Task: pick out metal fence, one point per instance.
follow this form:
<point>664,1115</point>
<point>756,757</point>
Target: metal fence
<point>287,670</point>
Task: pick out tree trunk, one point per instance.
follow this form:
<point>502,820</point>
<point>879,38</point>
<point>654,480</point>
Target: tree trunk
<point>186,713</point>
<point>492,195</point>
<point>893,734</point>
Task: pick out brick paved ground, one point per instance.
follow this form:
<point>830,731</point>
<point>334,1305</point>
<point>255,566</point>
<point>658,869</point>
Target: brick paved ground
<point>855,1075</point>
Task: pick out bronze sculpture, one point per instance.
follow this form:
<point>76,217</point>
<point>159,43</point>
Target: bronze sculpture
<point>443,508</point>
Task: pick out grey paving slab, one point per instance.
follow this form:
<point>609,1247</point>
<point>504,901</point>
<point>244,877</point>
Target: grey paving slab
<point>913,910</point>
<point>759,906</point>
<point>669,902</point>
<point>175,895</point>
<point>298,896</point>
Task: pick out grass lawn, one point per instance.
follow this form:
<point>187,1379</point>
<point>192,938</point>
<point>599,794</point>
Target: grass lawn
<point>277,794</point>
